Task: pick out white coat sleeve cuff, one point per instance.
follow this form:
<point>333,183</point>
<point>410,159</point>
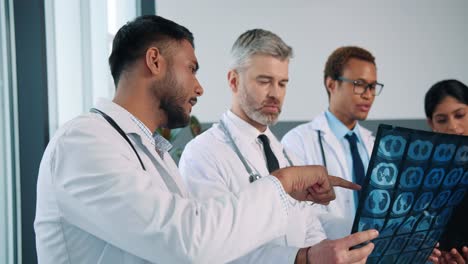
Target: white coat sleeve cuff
<point>281,192</point>
<point>269,253</point>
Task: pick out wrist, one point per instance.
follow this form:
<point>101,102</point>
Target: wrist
<point>284,180</point>
<point>301,257</point>
<point>307,255</point>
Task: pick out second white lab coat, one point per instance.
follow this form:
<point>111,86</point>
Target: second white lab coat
<point>211,168</point>
<point>337,218</point>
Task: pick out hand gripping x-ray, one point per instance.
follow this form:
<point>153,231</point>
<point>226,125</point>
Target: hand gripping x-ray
<point>414,181</point>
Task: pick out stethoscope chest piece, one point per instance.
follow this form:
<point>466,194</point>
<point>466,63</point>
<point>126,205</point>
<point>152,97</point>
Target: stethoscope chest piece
<point>254,177</point>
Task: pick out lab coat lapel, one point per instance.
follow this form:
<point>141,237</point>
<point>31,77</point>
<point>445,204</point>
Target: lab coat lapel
<point>321,124</point>
<point>368,139</point>
<point>247,147</point>
<point>142,143</point>
<point>176,176</point>
<point>172,180</point>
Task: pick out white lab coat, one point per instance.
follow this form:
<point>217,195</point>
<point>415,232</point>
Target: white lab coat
<point>337,218</point>
<point>95,204</point>
<point>211,168</point>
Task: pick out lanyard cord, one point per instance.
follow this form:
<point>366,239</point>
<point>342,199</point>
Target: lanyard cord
<point>121,132</point>
<point>252,176</point>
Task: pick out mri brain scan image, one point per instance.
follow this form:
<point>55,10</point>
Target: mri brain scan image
<point>403,203</point>
<point>462,155</point>
<point>444,152</point>
<point>408,224</point>
<point>414,180</point>
<point>379,246</point>
<point>425,222</point>
<point>420,150</point>
<point>434,178</point>
<point>384,175</point>
<point>440,199</point>
<point>423,201</point>
<point>371,223</point>
<point>392,147</point>
<point>377,202</point>
<point>412,177</point>
<point>453,177</point>
<point>391,226</point>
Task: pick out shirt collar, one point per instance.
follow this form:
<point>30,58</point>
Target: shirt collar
<point>159,142</point>
<point>127,122</point>
<point>248,132</point>
<point>338,128</point>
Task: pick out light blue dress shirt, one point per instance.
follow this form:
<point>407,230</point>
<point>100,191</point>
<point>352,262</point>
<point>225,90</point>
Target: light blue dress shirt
<point>340,131</point>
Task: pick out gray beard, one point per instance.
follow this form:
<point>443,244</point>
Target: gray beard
<point>254,114</point>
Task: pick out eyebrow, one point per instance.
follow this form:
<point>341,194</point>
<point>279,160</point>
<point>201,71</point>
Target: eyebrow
<point>458,109</point>
<point>270,78</point>
<point>371,82</point>
<point>440,115</point>
<point>444,115</point>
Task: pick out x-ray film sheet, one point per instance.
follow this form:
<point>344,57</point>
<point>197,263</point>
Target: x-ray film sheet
<point>414,180</point>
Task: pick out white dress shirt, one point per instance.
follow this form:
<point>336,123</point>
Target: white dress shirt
<point>95,203</point>
<point>211,168</point>
<point>337,218</point>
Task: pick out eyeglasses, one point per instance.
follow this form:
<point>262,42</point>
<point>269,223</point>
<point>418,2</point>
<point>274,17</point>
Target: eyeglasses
<point>361,86</point>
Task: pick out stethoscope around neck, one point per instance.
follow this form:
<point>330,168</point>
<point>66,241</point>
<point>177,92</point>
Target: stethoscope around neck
<point>253,176</point>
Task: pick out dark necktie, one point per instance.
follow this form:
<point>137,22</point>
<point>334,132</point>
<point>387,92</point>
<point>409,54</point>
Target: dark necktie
<point>272,162</point>
<point>358,166</point>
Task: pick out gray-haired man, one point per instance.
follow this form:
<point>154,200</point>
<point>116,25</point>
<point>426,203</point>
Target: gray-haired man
<point>241,148</point>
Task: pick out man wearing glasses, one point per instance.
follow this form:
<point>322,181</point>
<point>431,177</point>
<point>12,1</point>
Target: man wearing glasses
<point>334,138</point>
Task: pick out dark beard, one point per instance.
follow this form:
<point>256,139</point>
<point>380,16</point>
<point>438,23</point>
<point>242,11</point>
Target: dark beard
<point>176,116</point>
<point>171,103</point>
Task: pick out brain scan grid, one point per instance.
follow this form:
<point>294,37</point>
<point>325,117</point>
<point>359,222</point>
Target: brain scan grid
<point>414,180</point>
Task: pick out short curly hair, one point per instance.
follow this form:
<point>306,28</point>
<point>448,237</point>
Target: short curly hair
<point>337,61</point>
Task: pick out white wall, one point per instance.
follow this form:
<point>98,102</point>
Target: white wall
<point>416,43</point>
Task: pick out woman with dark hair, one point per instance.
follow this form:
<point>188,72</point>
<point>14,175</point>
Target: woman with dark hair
<point>446,106</point>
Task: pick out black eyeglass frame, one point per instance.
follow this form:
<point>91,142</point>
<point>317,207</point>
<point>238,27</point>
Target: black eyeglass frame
<point>378,87</point>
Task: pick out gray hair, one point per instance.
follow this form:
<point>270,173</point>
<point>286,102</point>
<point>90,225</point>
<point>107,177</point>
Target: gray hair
<point>258,41</point>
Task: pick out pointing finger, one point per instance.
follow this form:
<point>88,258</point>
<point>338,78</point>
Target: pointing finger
<point>337,181</point>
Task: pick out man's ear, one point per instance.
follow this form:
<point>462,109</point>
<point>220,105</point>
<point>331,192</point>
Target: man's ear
<point>154,60</point>
<point>233,80</point>
<point>430,124</point>
<point>330,85</point>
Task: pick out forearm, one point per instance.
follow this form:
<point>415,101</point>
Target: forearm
<point>164,228</point>
<point>269,253</point>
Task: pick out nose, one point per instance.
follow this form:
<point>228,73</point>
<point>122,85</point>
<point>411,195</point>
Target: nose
<point>274,90</point>
<point>198,88</point>
<point>367,94</point>
<point>454,126</point>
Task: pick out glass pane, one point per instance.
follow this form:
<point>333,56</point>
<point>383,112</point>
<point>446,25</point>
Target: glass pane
<point>7,145</point>
<point>79,44</point>
<point>3,212</point>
